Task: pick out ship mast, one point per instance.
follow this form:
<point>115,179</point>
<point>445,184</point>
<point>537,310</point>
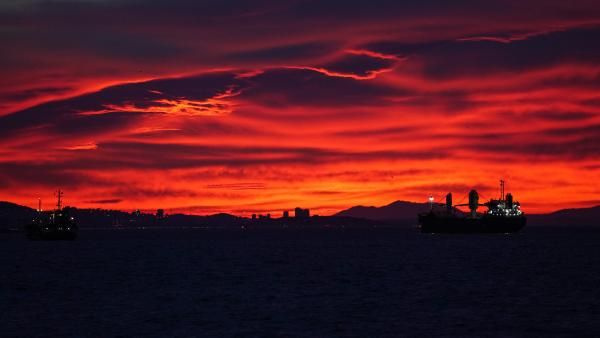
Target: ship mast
<point>58,203</point>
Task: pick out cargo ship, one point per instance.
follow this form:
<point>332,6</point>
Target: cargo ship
<point>503,215</point>
<point>57,224</point>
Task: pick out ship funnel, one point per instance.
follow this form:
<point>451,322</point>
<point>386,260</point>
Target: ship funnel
<point>473,202</point>
<point>509,201</point>
<point>449,202</point>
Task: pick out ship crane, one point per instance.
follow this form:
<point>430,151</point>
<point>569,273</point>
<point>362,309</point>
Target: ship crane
<point>503,215</point>
<point>505,203</point>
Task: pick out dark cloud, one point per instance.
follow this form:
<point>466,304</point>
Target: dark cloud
<point>592,131</point>
<point>299,87</point>
<point>109,201</point>
<point>550,115</point>
<point>100,42</point>
<point>92,125</point>
<point>46,175</point>
<point>145,94</point>
<point>586,147</point>
<point>51,123</point>
<point>34,92</point>
<point>448,58</point>
<point>302,52</point>
<point>397,10</point>
<point>359,64</point>
<point>589,81</point>
<point>83,11</point>
<point>591,102</point>
<point>65,116</point>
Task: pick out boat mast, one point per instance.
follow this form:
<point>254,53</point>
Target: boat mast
<point>58,195</point>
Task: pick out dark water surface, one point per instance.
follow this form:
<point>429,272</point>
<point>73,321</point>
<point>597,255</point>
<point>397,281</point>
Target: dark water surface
<point>302,283</point>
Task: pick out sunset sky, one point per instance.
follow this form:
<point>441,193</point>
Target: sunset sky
<point>261,106</point>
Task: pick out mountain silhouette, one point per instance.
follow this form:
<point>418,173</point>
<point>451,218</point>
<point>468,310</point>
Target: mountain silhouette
<point>14,215</point>
<point>397,213</point>
<point>403,212</point>
<point>580,216</point>
<point>399,210</point>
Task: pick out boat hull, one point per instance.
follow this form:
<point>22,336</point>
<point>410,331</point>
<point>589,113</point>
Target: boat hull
<point>433,223</point>
<point>36,232</point>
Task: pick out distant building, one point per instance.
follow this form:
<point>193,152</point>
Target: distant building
<point>160,214</point>
<point>286,214</point>
<point>301,213</point>
<point>253,216</point>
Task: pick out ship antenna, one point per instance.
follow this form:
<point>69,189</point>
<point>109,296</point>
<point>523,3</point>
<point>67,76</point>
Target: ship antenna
<point>59,195</point>
<point>501,189</point>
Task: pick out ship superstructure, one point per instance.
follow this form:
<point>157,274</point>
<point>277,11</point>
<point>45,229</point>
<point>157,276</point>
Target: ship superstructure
<point>503,215</point>
<point>57,224</point>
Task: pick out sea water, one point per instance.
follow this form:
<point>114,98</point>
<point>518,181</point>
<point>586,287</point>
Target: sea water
<point>302,283</point>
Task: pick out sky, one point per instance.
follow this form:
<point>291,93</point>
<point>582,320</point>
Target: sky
<point>262,106</point>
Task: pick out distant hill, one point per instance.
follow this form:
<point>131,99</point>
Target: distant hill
<point>399,210</point>
<point>570,217</point>
<point>16,216</point>
<point>13,215</point>
<point>397,213</point>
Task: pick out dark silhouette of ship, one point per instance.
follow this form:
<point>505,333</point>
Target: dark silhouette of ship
<point>57,224</point>
<point>503,215</point>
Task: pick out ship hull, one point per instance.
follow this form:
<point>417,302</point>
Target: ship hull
<point>432,223</point>
<point>35,232</point>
